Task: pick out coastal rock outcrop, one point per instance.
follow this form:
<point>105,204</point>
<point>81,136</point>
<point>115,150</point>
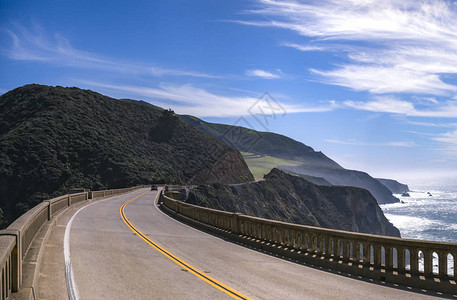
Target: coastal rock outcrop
<point>344,177</point>
<point>293,199</point>
<point>394,186</point>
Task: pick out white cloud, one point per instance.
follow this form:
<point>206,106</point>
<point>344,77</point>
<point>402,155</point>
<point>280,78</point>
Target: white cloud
<point>303,48</point>
<point>431,124</point>
<point>392,46</point>
<point>381,80</point>
<point>449,139</point>
<point>187,99</point>
<point>390,104</point>
<point>262,74</point>
<point>34,45</point>
<point>371,144</point>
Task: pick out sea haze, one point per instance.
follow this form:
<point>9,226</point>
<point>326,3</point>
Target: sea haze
<point>426,217</point>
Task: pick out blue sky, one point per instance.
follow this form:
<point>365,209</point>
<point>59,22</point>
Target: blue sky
<point>373,84</point>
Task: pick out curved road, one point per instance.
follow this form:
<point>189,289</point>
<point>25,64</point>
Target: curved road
<point>110,261</point>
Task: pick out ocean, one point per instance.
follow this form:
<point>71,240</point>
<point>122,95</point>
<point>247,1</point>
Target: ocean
<point>430,213</point>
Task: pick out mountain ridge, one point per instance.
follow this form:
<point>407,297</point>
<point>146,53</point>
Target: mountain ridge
<point>308,163</point>
<point>266,143</point>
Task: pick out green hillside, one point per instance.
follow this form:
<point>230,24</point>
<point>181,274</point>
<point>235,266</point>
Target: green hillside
<point>259,165</point>
<point>265,143</point>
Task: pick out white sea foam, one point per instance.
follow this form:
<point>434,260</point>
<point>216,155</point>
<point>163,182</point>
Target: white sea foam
<point>426,217</point>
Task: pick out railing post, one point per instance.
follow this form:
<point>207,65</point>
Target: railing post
<point>358,248</point>
<point>454,256</point>
<point>442,264</point>
<point>388,252</point>
<point>414,261</point>
<point>366,254</point>
<point>428,263</point>
<point>377,256</point>
<point>401,260</point>
<point>16,258</point>
<point>338,248</point>
<point>322,244</point>
<point>49,209</point>
<point>346,246</point>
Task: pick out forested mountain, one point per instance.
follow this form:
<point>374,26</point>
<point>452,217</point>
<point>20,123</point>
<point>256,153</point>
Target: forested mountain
<point>53,139</point>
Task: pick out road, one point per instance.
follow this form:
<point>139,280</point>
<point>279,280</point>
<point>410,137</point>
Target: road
<point>110,261</point>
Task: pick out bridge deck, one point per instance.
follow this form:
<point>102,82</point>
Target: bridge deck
<point>111,262</point>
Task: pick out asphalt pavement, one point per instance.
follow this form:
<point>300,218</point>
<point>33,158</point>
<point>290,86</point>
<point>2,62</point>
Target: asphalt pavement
<point>166,259</point>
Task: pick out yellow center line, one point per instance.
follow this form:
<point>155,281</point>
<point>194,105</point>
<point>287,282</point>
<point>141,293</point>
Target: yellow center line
<point>220,286</point>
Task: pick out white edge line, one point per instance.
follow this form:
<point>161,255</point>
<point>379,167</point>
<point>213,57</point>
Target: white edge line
<point>72,288</point>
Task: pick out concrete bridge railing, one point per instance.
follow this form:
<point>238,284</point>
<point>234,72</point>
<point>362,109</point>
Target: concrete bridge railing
<point>414,263</point>
<point>16,239</point>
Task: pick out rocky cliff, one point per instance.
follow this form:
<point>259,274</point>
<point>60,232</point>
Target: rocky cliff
<point>394,186</point>
<point>293,199</point>
<point>343,177</point>
<point>53,139</point>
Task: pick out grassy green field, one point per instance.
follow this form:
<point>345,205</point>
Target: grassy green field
<point>262,165</point>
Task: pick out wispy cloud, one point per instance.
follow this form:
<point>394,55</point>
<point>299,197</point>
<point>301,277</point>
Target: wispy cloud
<point>262,74</point>
<point>187,99</point>
<point>430,124</point>
<point>303,48</point>
<point>368,144</point>
<point>449,139</point>
<point>386,79</point>
<point>391,104</point>
<point>391,46</point>
<point>35,45</point>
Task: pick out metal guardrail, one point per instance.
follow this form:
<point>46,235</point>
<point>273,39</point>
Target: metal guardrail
<point>384,258</point>
<point>17,238</point>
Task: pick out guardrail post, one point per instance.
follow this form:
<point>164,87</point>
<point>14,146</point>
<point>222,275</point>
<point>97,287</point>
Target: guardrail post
<point>377,256</point>
<point>454,256</point>
<point>428,263</point>
<point>69,200</point>
<point>235,226</point>
<point>401,260</point>
<point>389,257</point>
<point>49,209</point>
<point>337,248</point>
<point>178,207</point>
<point>346,250</point>
<point>16,259</point>
<point>413,261</point>
<point>442,264</point>
<point>366,254</point>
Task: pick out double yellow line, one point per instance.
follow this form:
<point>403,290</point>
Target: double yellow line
<point>220,286</point>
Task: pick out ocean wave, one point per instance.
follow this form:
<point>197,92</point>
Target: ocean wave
<point>421,216</point>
